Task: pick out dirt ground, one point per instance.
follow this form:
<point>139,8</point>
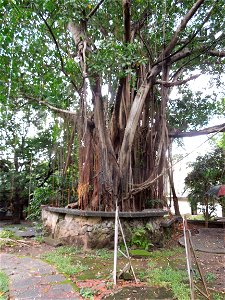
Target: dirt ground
<point>211,263</point>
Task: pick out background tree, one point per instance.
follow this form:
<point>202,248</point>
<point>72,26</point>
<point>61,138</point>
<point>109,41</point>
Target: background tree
<point>107,69</point>
<point>208,170</point>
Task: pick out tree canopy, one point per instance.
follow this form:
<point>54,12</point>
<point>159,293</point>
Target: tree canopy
<point>107,68</point>
<point>207,171</point>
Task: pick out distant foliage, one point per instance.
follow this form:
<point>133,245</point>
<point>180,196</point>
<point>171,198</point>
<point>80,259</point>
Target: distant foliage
<point>208,170</point>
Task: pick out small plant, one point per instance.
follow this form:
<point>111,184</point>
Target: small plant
<point>7,234</point>
<point>7,237</point>
<point>165,254</point>
<point>174,279</point>
<point>68,250</point>
<point>210,277</point>
<point>39,239</point>
<point>142,275</point>
<point>87,293</point>
<point>140,238</point>
<point>218,296</point>
<point>103,253</point>
<point>4,286</point>
<point>63,260</point>
<point>109,285</point>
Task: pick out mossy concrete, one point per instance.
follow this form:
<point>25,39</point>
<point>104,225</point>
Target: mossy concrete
<point>96,229</point>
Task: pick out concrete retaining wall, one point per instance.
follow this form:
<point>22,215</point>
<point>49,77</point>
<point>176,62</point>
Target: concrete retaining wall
<point>96,229</point>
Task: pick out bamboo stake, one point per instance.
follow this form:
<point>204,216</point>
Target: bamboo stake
<point>199,268</point>
<point>128,255</point>
<point>115,246</point>
<point>188,258</point>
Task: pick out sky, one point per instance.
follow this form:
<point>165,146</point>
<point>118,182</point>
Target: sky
<point>198,145</point>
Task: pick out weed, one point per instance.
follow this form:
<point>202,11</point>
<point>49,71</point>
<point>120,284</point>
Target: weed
<point>63,261</point>
<point>4,282</point>
<point>104,253</point>
<point>218,296</point>
<point>68,250</point>
<point>5,235</point>
<point>142,275</point>
<point>140,238</point>
<point>87,293</point>
<point>210,277</point>
<point>174,279</point>
<point>164,254</point>
<point>109,285</point>
<point>39,239</point>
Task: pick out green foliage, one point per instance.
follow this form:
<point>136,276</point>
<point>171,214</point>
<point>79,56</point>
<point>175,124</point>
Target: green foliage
<point>139,253</point>
<point>174,279</point>
<point>62,259</point>
<point>104,253</point>
<point>221,141</point>
<point>87,293</point>
<point>210,277</point>
<point>7,234</point>
<point>40,65</point>
<point>41,196</point>
<point>8,238</point>
<point>140,238</point>
<point>166,253</point>
<point>207,170</point>
<point>217,296</point>
<point>67,250</point>
<point>4,286</point>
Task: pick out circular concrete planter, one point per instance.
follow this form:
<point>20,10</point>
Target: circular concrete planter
<point>95,229</point>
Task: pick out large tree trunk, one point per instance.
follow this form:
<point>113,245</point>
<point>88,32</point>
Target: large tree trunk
<point>123,158</point>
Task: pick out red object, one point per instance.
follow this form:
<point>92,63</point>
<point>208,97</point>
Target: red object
<point>221,191</point>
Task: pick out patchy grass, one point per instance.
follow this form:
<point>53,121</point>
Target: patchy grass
<point>104,253</point>
<point>218,296</point>
<point>61,258</point>
<point>87,293</point>
<point>210,277</point>
<point>166,253</point>
<point>164,268</point>
<point>7,237</point>
<point>175,279</point>
<point>4,286</point>
<point>163,271</point>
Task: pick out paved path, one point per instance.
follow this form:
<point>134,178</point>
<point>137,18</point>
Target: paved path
<point>208,240</point>
<point>34,279</point>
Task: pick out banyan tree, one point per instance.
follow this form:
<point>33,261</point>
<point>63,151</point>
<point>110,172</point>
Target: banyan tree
<point>108,68</point>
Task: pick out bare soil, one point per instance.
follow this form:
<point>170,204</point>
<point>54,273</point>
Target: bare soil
<point>211,263</point>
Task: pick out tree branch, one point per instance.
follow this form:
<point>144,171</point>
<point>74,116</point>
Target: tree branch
<point>217,53</point>
<point>213,129</point>
<point>94,10</point>
<point>60,111</point>
<point>136,27</point>
<point>126,20</point>
<point>178,82</point>
<point>181,27</point>
<point>195,34</point>
<point>58,50</point>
